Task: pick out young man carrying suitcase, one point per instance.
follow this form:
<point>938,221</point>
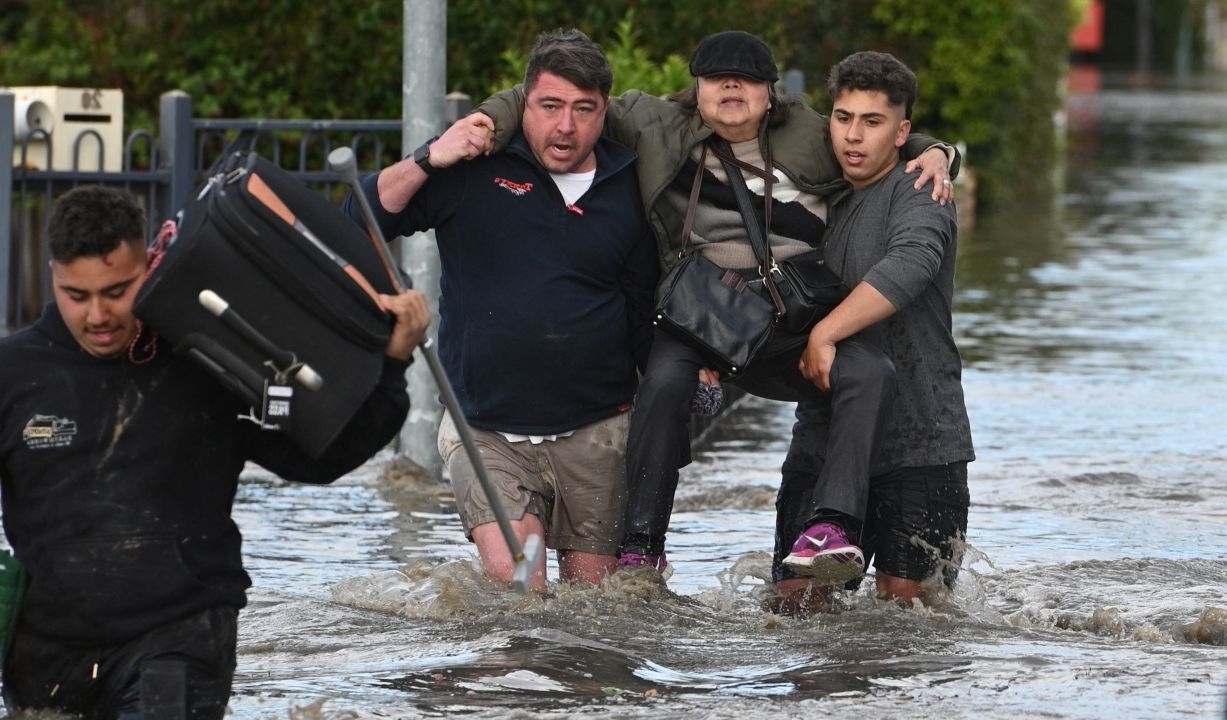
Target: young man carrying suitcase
<point>119,462</point>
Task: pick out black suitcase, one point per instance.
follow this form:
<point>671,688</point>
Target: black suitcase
<point>264,276</point>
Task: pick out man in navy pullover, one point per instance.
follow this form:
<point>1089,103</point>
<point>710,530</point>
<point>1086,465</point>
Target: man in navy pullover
<point>548,273</point>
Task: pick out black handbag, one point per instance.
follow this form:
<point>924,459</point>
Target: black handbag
<point>809,290</point>
<point>803,286</point>
<point>712,309</point>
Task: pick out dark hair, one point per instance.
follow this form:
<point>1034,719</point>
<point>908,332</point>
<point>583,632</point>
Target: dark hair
<point>780,106</point>
<point>875,71</point>
<point>91,221</point>
<point>570,55</point>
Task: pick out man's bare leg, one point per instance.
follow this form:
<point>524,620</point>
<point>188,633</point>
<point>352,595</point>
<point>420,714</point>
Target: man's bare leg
<point>799,596</point>
<point>896,588</point>
<point>496,557</point>
<point>579,566</point>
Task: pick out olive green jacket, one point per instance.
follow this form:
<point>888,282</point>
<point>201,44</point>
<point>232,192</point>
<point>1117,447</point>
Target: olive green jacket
<point>663,134</point>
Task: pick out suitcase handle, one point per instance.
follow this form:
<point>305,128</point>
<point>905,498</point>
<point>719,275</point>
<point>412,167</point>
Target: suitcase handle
<point>223,365</point>
<point>284,361</point>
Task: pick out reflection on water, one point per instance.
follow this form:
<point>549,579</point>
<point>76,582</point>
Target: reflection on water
<point>1094,581</point>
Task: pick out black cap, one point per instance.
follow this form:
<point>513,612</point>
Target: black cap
<point>734,53</point>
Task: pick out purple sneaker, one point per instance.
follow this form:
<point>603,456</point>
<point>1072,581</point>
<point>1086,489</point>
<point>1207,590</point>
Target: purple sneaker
<point>656,562</point>
<point>824,553</point>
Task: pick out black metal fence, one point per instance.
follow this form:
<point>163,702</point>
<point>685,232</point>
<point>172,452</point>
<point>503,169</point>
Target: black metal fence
<point>162,169</point>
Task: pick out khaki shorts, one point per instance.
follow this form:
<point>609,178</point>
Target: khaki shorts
<point>576,485</point>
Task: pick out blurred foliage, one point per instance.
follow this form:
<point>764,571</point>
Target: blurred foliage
<point>235,58</point>
<point>632,66</point>
<point>991,76</point>
<point>479,31</point>
<point>989,71</point>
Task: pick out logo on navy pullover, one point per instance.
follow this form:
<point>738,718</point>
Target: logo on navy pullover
<point>516,188</point>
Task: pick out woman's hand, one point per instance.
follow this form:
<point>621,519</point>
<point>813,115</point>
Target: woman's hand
<point>934,166</point>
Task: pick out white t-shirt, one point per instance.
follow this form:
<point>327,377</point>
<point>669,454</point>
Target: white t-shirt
<point>573,185</point>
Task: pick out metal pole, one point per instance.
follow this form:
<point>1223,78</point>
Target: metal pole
<point>8,109</point>
<point>424,74</point>
<point>524,557</point>
<point>1143,31</point>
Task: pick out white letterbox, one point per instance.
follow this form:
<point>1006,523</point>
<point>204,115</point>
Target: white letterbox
<point>82,123</point>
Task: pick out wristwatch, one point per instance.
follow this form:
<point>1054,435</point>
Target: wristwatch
<point>421,156</point>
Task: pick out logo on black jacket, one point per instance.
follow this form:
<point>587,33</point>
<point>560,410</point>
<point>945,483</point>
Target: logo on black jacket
<point>48,431</point>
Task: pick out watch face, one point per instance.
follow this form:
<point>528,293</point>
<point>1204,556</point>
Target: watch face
<point>421,156</point>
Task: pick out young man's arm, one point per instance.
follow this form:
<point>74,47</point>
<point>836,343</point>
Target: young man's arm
<point>919,234</point>
<point>863,307</point>
<point>377,421</point>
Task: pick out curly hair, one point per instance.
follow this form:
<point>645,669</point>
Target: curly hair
<point>91,221</point>
<point>875,71</point>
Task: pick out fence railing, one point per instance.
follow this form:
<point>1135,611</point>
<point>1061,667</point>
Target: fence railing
<point>163,169</point>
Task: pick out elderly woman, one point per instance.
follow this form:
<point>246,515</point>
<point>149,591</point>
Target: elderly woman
<point>732,108</point>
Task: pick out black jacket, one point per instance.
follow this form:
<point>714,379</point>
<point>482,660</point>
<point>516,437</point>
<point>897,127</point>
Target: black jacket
<point>118,479</point>
<point>545,309</point>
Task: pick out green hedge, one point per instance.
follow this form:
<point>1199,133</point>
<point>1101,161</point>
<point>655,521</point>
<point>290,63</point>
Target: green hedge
<point>989,71</point>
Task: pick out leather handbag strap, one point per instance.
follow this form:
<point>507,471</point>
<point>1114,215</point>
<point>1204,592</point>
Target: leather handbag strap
<point>756,232</point>
<point>688,223</point>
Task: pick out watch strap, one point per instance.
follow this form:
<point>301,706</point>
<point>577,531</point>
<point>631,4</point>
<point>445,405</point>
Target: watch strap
<point>421,156</point>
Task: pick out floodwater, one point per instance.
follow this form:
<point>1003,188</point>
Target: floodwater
<point>1094,584</point>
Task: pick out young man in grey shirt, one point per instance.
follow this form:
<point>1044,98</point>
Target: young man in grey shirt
<point>895,246</point>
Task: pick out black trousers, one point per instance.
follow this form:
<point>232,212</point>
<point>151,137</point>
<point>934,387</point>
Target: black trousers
<point>179,671</point>
<point>658,446</point>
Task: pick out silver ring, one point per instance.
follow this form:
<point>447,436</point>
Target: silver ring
<point>946,181</point>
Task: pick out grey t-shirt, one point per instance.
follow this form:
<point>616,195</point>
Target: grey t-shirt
<point>903,243</point>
